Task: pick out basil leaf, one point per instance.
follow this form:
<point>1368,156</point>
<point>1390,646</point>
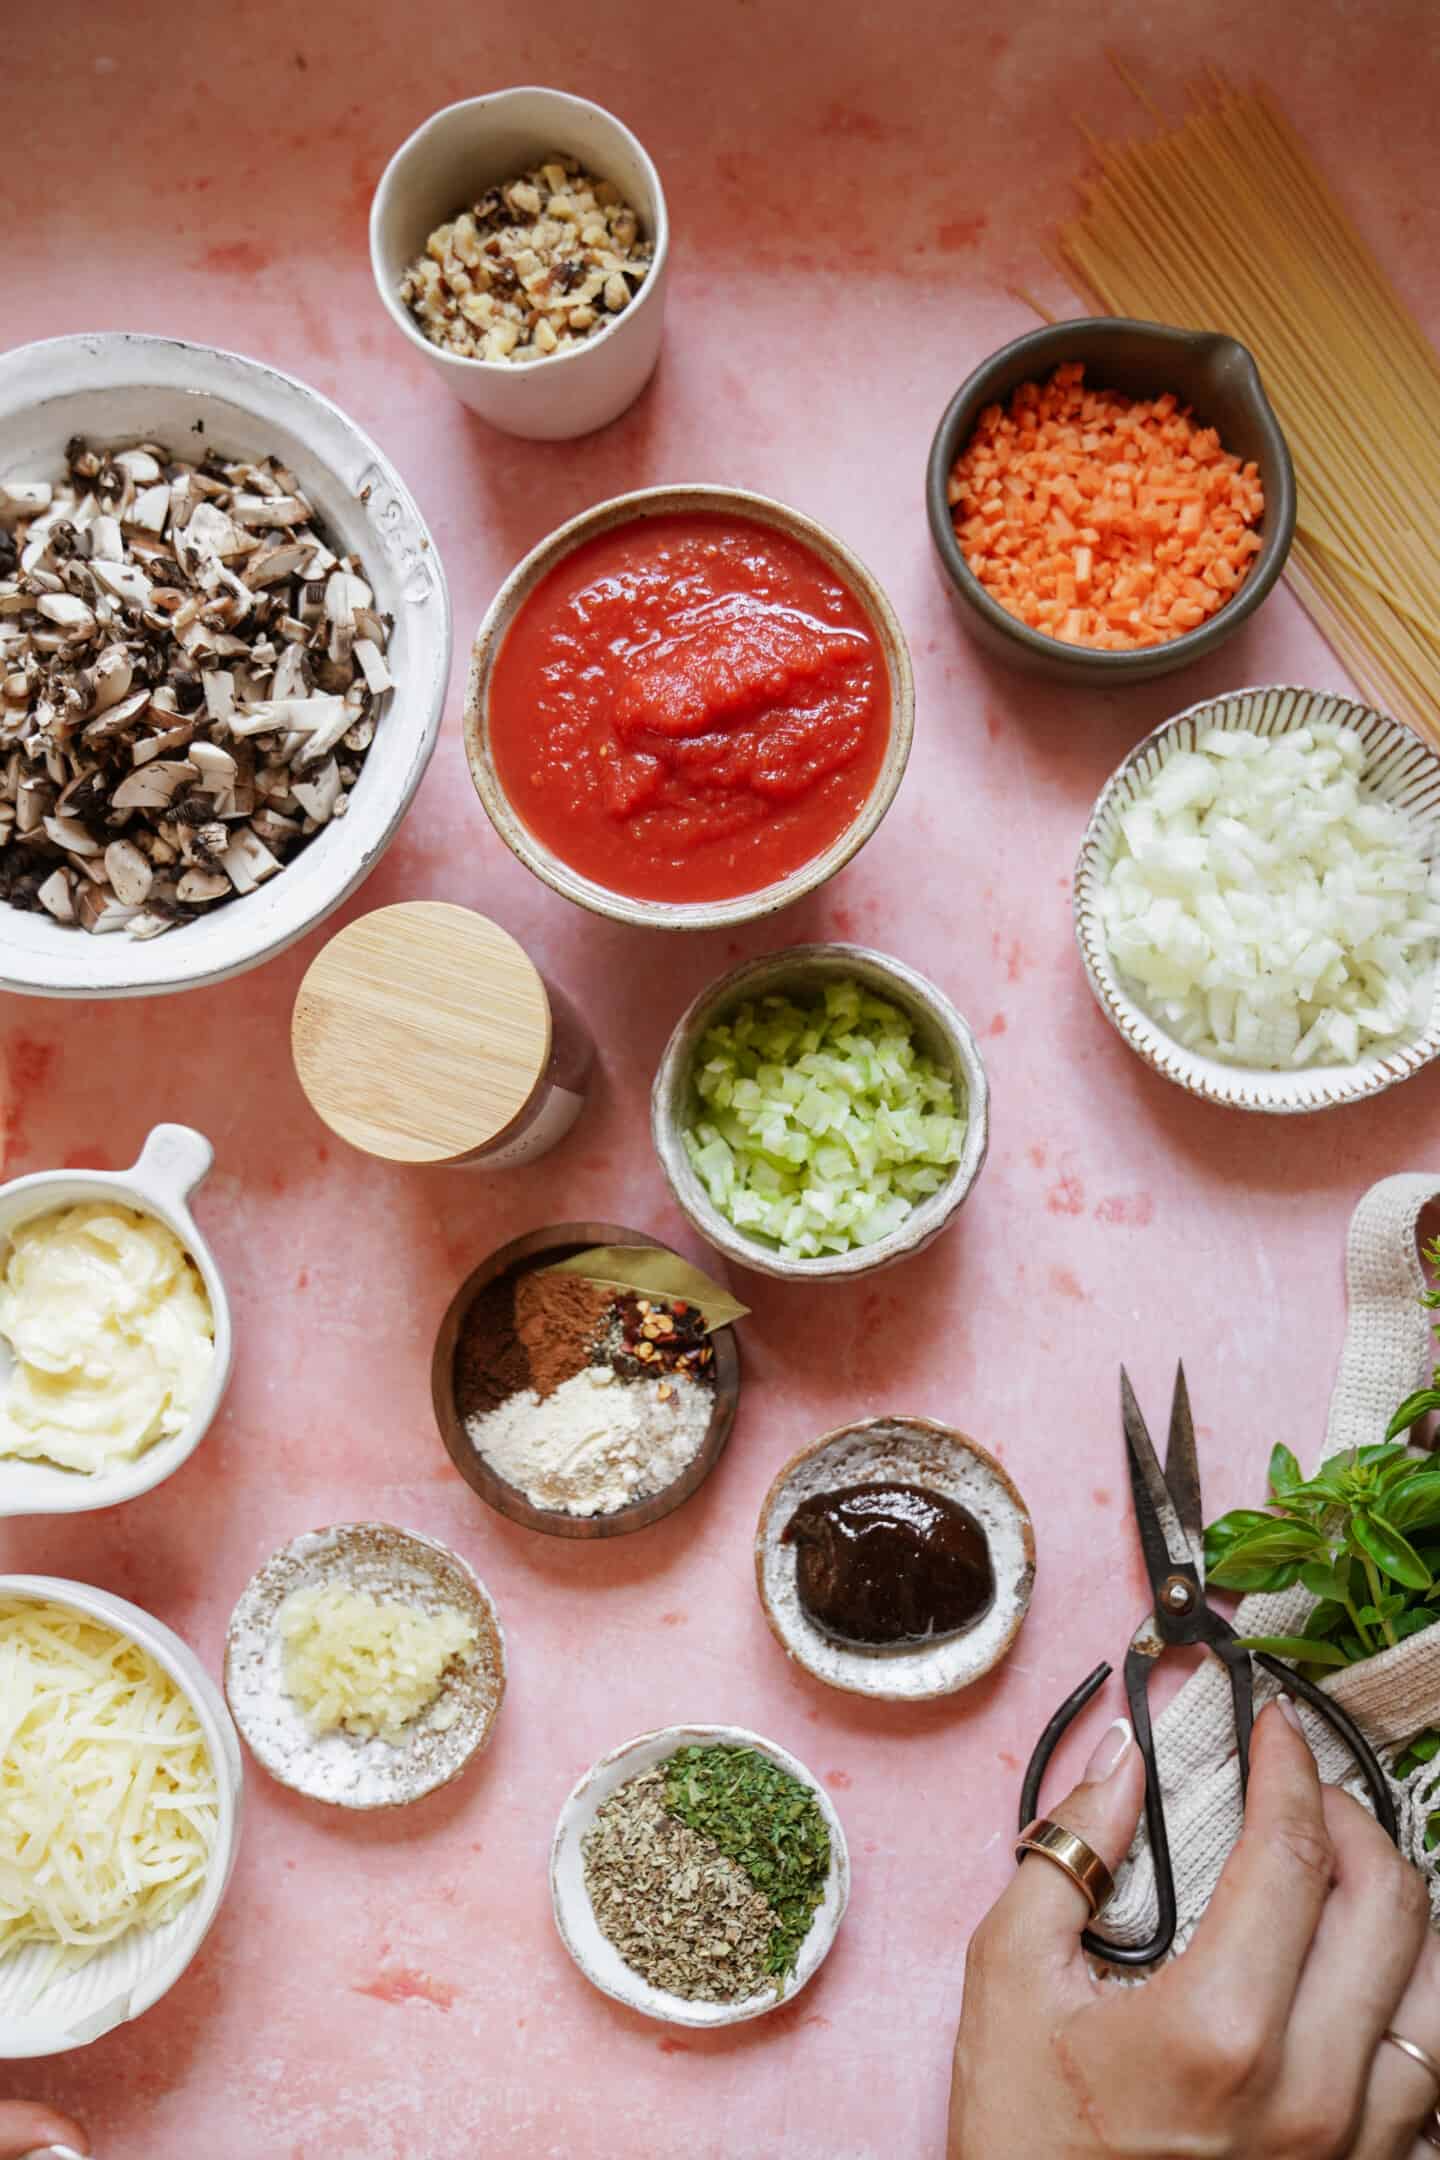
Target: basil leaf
<point>1326,1618</point>
<point>1412,1410</point>
<point>1300,1648</point>
<point>1389,1550</point>
<point>1416,1504</point>
<point>1323,1580</point>
<point>1237,1575</point>
<point>1285,1471</point>
<point>1415,1621</point>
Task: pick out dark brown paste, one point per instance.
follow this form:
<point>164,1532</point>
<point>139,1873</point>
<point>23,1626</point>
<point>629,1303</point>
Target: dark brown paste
<point>886,1564</point>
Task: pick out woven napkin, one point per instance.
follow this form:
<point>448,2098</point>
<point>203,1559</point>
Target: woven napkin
<point>1388,1353</point>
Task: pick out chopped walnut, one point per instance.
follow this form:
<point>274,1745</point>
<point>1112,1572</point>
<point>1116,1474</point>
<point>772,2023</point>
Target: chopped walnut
<point>532,268</point>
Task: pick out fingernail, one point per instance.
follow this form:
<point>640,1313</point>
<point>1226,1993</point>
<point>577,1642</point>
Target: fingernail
<point>1115,1744</point>
<point>1290,1714</point>
<point>52,2152</point>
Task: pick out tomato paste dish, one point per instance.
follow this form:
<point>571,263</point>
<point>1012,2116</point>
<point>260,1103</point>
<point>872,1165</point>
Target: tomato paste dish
<point>689,708</point>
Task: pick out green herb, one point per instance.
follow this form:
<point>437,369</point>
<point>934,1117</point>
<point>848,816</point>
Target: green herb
<point>766,1820</point>
<point>1424,1399</point>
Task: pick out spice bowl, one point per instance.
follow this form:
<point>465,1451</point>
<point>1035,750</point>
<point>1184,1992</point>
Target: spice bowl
<point>805,970</point>
<point>443,167</point>
<point>1399,768</point>
<point>541,1248</point>
<point>42,2015</point>
<point>1210,372</point>
<point>172,1163</point>
<point>599,1960</point>
<point>120,386</point>
<point>666,502</point>
<point>937,1459</point>
<point>381,1561</point>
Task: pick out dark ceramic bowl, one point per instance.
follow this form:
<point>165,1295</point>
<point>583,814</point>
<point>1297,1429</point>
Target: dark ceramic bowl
<point>1211,373</point>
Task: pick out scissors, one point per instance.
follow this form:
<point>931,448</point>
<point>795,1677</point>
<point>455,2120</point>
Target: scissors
<point>1170,1519</point>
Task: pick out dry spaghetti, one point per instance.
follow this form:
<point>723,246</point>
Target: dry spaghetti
<point>1224,222</point>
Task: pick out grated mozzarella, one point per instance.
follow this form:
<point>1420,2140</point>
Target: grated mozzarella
<point>1267,909</point>
<point>108,1802</point>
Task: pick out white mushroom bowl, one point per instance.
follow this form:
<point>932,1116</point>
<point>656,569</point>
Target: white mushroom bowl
<point>1399,769</point>
<point>116,386</point>
<point>40,2016</point>
<point>172,1163</point>
<point>598,1958</point>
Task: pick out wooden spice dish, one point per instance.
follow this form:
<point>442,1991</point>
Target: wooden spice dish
<point>558,1242</point>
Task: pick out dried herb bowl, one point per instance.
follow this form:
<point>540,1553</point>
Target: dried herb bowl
<point>598,1958</point>
<point>117,386</point>
<point>1212,373</point>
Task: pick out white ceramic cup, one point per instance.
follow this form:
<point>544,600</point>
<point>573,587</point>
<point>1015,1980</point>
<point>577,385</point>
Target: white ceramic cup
<point>172,1163</point>
<point>115,386</point>
<point>450,161</point>
<point>136,1970</point>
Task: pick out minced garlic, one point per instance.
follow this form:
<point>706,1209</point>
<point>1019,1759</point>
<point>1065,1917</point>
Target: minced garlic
<point>364,1665</point>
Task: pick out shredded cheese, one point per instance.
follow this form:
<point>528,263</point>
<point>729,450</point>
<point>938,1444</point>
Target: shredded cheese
<point>108,1800</point>
<point>365,1665</point>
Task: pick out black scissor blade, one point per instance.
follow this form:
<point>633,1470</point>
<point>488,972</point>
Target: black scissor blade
<point>1162,1539</point>
<point>1182,1469</point>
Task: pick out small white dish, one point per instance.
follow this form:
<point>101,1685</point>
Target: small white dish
<point>899,1451</point>
<point>338,1767</point>
<point>117,385</point>
<point>449,162</point>
<point>1399,768</point>
<point>132,1973</point>
<point>172,1163</point>
<point>800,971</point>
<point>598,1958</point>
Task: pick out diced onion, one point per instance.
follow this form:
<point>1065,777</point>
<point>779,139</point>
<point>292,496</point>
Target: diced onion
<point>1267,909</point>
<point>820,1127</point>
<point>108,1803</point>
<point>364,1665</point>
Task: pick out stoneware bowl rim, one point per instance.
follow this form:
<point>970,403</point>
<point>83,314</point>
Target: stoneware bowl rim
<point>1050,346</point>
<point>891,978</point>
<point>30,2034</point>
<point>1274,709</point>
<point>857,1671</point>
<point>171,1165</point>
<point>486,106</point>
<point>246,399</point>
<point>629,508</point>
<point>325,1553</point>
<point>571,1903</point>
<point>507,1499</point>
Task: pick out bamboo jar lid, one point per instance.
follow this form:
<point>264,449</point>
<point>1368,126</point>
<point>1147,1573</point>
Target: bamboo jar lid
<point>421,1032</point>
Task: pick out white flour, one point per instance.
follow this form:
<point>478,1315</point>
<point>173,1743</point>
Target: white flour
<point>598,1442</point>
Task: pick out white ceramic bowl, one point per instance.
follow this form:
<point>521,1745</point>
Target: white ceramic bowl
<point>172,1163</point>
<point>1399,768</point>
<point>904,1451</point>
<point>450,161</point>
<point>598,1958</point>
<point>802,970</point>
<point>685,501</point>
<point>381,1561</point>
<point>116,385</point>
<point>125,1978</point>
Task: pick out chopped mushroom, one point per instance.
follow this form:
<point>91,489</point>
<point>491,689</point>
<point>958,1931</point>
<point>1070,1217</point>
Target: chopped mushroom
<point>183,655</point>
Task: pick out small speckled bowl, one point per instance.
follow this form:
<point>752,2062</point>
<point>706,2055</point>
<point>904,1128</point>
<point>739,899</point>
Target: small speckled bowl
<point>598,1958</point>
<point>336,1767</point>
<point>802,970</point>
<point>848,570</point>
<point>556,1243</point>
<point>1212,373</point>
<point>901,1451</point>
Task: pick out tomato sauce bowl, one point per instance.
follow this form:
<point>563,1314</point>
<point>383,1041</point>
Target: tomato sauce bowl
<point>688,707</point>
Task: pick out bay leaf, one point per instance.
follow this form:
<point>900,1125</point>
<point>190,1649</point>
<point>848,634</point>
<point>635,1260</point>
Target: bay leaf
<point>651,1272</point>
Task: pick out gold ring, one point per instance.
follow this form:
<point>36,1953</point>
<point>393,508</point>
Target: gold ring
<point>1085,1868</point>
<point>1417,2054</point>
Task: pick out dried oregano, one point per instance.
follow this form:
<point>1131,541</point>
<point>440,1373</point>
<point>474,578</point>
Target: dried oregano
<point>760,1816</point>
<point>681,1914</point>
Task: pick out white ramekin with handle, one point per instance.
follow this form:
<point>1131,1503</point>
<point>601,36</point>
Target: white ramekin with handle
<point>39,2017</point>
<point>172,1163</point>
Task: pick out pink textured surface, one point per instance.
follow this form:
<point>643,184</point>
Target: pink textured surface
<point>850,200</point>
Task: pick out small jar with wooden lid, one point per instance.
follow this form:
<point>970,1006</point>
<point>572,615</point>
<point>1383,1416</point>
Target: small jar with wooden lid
<point>423,1033</point>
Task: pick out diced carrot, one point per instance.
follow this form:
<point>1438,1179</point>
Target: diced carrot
<point>1106,520</point>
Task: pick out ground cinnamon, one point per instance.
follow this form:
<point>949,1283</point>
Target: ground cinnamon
<point>529,1329</point>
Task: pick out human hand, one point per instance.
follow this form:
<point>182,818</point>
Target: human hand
<point>26,2129</point>
<point>1265,2041</point>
